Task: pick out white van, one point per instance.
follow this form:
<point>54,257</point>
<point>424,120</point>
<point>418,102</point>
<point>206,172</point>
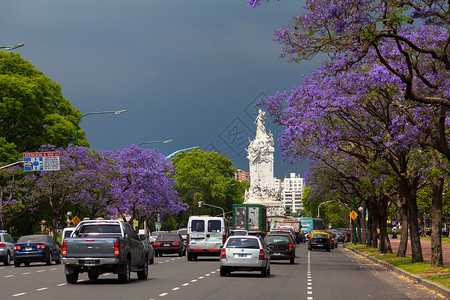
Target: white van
<point>205,236</point>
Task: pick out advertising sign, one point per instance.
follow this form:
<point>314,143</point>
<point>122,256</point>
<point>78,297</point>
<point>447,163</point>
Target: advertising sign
<point>41,161</point>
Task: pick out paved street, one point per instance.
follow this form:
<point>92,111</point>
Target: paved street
<point>339,274</point>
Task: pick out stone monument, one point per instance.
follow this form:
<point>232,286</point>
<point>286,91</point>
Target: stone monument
<point>262,182</point>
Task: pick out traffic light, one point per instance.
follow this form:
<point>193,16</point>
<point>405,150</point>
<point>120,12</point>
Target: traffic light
<point>200,203</point>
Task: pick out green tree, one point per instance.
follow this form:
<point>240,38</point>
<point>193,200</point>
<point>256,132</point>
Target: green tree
<point>33,111</point>
<point>207,177</point>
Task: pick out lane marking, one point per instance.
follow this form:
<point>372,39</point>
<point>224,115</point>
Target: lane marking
<point>201,277</point>
<point>40,271</point>
<point>20,294</point>
<point>42,289</point>
<point>8,276</point>
<point>176,288</point>
<point>26,273</point>
<point>185,284</point>
<point>163,294</point>
<point>194,280</point>
<point>62,284</point>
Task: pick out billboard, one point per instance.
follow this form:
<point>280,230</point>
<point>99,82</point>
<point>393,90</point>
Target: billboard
<point>41,161</point>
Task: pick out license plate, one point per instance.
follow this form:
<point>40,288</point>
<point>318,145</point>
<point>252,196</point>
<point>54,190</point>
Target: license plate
<point>166,245</point>
<point>89,263</point>
<point>242,255</point>
<point>28,249</point>
<point>276,254</point>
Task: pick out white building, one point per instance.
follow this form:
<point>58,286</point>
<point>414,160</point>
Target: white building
<point>292,192</point>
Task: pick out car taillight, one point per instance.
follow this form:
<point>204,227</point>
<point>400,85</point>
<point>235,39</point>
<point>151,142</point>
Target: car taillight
<point>176,244</point>
<point>329,241</point>
<point>17,248</point>
<point>223,254</point>
<point>64,249</point>
<point>116,249</point>
<point>261,254</point>
<point>157,244</point>
<point>2,244</point>
<point>312,240</point>
<point>224,238</point>
<point>290,246</point>
<point>187,239</point>
<point>40,246</point>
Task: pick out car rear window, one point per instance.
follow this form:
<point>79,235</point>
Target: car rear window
<point>168,237</point>
<point>98,229</point>
<point>214,226</point>
<point>198,226</point>
<point>32,239</point>
<point>243,243</point>
<point>277,239</point>
<point>320,235</point>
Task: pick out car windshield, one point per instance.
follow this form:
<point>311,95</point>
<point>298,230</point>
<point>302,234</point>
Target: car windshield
<point>277,239</point>
<point>243,243</point>
<point>32,239</point>
<point>182,231</point>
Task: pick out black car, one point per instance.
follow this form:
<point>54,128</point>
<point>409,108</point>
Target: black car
<point>36,248</point>
<point>319,239</point>
<point>281,246</point>
<point>169,243</point>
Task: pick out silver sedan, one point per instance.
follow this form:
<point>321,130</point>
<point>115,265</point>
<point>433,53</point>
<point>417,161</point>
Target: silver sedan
<point>244,253</point>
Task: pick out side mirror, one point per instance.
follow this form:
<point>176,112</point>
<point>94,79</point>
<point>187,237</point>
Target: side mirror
<point>221,246</point>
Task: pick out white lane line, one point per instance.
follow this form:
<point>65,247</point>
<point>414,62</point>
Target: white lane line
<point>194,280</point>
<point>40,271</point>
<point>7,276</point>
<point>207,274</point>
<point>42,289</point>
<point>26,273</point>
<point>19,294</point>
<point>53,269</point>
<point>163,294</point>
<point>309,293</point>
<point>185,284</point>
<point>160,262</point>
<point>62,284</point>
<point>176,288</point>
<point>201,277</point>
<point>173,258</point>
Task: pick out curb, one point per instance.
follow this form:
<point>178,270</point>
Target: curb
<point>438,288</point>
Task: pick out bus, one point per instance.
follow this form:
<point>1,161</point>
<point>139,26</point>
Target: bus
<point>310,224</point>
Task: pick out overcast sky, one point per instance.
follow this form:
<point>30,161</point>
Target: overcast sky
<point>187,70</point>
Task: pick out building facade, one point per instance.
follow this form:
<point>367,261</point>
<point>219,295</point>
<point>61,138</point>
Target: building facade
<point>292,190</point>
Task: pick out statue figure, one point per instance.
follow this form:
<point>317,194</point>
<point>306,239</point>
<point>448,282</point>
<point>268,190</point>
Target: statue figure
<point>260,128</point>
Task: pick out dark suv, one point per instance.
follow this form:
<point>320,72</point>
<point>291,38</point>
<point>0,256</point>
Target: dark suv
<point>281,246</point>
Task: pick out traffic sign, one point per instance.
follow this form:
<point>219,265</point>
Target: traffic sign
<point>353,215</point>
<point>75,220</point>
<point>41,161</point>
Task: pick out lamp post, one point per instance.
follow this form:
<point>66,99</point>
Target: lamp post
<point>12,47</point>
<point>201,203</point>
<point>318,208</point>
<point>118,112</point>
<point>148,142</point>
<point>168,157</point>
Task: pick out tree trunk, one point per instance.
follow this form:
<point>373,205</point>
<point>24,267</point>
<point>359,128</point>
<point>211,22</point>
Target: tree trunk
<point>373,230</point>
<point>416,248</point>
<point>436,228</point>
<point>403,212</point>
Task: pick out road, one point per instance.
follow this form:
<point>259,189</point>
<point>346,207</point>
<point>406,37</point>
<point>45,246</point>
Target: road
<point>339,274</point>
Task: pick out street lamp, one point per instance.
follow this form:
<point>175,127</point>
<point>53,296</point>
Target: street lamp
<point>8,48</point>
<point>201,203</point>
<point>318,208</point>
<point>148,142</point>
<point>118,112</point>
<point>169,157</point>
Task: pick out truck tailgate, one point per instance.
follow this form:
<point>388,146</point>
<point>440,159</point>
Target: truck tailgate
<point>90,247</point>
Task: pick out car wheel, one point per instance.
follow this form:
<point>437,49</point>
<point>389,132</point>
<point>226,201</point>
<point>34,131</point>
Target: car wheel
<point>72,278</point>
<point>337,245</point>
<point>7,259</point>
<point>268,271</point>
<point>264,272</point>
<point>92,276</point>
<point>49,259</point>
<point>27,264</point>
<point>16,264</point>
<point>152,260</point>
<point>292,261</point>
<point>223,272</point>
<point>58,260</point>
<point>144,273</point>
<point>189,256</point>
<point>309,248</point>
<point>125,278</point>
<point>180,253</point>
<point>328,249</point>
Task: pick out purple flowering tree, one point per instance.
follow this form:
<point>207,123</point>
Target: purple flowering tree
<point>144,186</point>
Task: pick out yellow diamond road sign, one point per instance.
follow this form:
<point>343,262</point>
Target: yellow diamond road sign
<point>353,214</point>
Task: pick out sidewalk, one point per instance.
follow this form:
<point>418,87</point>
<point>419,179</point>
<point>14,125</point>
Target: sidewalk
<point>426,250</point>
<point>426,253</point>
